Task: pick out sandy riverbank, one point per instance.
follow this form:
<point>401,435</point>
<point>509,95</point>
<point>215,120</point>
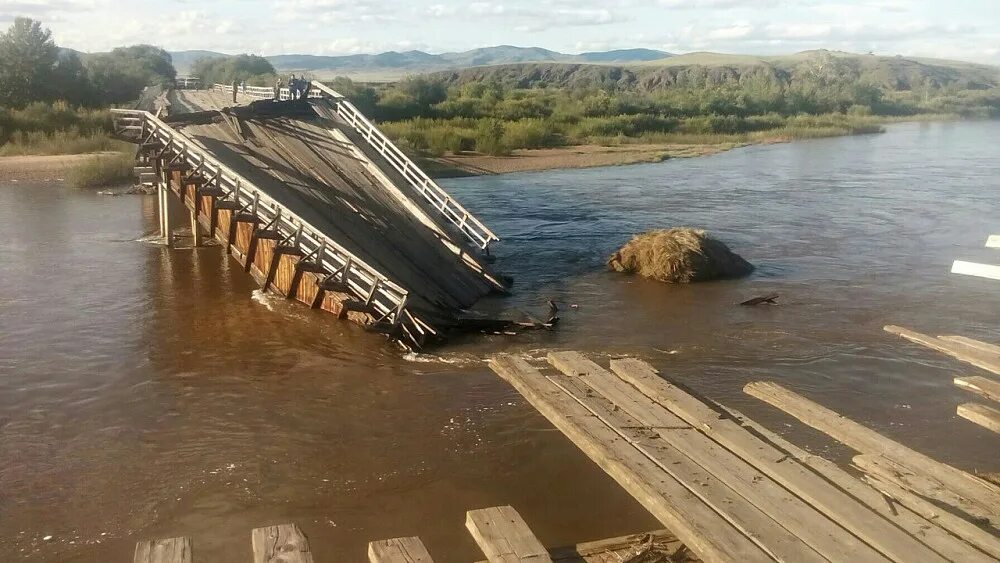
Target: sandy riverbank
<point>40,168</point>
<point>580,156</point>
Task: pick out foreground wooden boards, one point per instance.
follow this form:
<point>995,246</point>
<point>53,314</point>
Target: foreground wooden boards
<point>987,271</point>
<point>983,415</point>
<point>697,525</point>
<point>728,493</point>
<point>284,543</point>
<point>398,550</point>
<point>983,495</point>
<point>988,388</point>
<point>171,550</point>
<point>504,536</point>
<point>960,350</point>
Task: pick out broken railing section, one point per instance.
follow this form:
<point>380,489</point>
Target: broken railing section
<point>468,224</point>
<point>172,153</point>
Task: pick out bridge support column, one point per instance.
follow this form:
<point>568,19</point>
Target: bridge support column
<point>195,231</point>
<point>165,230</point>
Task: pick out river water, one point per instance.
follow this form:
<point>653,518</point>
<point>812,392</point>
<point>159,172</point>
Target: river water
<point>148,393</point>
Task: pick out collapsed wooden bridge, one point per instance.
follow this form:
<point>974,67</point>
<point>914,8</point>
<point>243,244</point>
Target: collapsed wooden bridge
<point>319,206</point>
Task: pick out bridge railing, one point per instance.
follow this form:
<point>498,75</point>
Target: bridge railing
<point>474,229</point>
<point>469,225</point>
<point>387,298</point>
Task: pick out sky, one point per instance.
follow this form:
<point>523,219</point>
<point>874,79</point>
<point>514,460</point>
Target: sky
<point>953,29</point>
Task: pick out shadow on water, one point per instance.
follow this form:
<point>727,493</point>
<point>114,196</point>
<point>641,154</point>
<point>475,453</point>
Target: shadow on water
<point>147,392</point>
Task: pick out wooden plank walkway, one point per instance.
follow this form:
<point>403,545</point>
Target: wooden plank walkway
<point>499,531</point>
<point>725,489</point>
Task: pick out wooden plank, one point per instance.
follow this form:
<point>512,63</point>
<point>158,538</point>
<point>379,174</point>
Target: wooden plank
<point>504,536</point>
<point>780,520</point>
<point>983,415</point>
<point>961,352</point>
<point>978,345</point>
<point>284,543</point>
<point>623,548</point>
<point>834,503</point>
<point>398,550</point>
<point>928,487</point>
<point>988,388</point>
<point>865,440</point>
<point>993,241</point>
<point>950,546</point>
<point>700,528</point>
<point>962,528</point>
<point>988,271</point>
<point>170,550</point>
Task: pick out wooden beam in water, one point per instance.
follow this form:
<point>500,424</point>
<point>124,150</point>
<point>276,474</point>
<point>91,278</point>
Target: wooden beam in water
<point>993,241</point>
<point>829,500</point>
<point>783,522</point>
<point>927,530</point>
<point>988,271</point>
<point>988,388</point>
<point>504,536</point>
<point>959,351</point>
<point>698,526</point>
<point>398,550</point>
<point>284,543</point>
<point>977,345</point>
<point>865,440</point>
<point>983,415</point>
<point>171,550</point>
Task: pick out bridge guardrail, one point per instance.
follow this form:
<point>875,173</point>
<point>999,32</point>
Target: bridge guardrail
<point>262,92</point>
<point>470,225</point>
<point>385,296</point>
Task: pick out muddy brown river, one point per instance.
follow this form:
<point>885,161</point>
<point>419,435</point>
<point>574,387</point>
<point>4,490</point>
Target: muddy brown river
<point>147,392</point>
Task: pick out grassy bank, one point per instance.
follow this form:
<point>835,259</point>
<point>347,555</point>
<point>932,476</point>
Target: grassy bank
<point>55,128</point>
<point>101,171</point>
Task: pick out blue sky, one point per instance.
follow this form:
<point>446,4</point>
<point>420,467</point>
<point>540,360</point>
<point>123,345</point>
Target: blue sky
<point>958,29</point>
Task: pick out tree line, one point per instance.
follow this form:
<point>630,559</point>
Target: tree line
<point>34,69</point>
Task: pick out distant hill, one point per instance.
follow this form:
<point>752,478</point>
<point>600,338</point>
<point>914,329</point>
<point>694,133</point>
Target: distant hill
<point>393,65</point>
<point>893,73</point>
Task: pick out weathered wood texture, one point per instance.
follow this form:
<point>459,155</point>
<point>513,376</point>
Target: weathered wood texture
<point>171,550</point>
<point>983,415</point>
<point>503,536</point>
<point>958,350</point>
<point>707,533</point>
<point>983,494</point>
<point>398,550</point>
<point>988,388</point>
<point>659,545</point>
<point>284,543</point>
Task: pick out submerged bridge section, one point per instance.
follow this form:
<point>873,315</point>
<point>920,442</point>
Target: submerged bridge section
<point>319,206</point>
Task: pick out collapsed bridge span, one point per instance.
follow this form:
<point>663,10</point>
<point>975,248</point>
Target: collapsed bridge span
<point>319,206</point>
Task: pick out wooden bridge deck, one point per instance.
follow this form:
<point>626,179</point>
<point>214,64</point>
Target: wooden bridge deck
<point>345,223</point>
<point>733,491</point>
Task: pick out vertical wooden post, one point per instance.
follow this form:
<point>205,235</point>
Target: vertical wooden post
<point>168,236</point>
<point>195,231</point>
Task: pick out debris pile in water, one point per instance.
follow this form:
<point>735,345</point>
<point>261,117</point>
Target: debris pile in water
<point>678,255</point>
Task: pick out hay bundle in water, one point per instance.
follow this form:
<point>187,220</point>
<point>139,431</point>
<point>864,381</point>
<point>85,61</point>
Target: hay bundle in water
<point>679,255</point>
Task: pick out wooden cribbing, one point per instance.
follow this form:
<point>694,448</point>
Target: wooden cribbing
<point>984,494</point>
<point>958,350</point>
<point>171,550</point>
<point>703,530</point>
<point>284,543</point>
<point>504,536</point>
<point>988,388</point>
<point>398,550</point>
<point>790,528</point>
<point>983,415</point>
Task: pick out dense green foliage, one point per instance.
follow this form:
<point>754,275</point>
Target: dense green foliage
<point>34,69</point>
<point>255,70</point>
<point>433,115</point>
